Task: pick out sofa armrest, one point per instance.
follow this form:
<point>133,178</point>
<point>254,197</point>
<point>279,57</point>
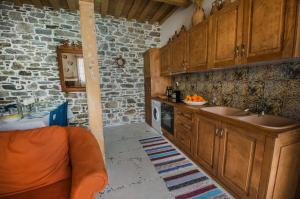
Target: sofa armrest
<point>88,170</point>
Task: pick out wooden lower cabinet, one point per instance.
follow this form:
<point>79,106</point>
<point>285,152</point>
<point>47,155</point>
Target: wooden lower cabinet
<point>240,160</point>
<point>248,162</point>
<point>206,143</point>
<point>184,126</point>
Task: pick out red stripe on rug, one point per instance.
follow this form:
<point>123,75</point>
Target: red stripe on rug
<point>150,145</point>
<point>153,159</point>
<point>181,175</point>
<point>196,192</point>
<point>155,153</point>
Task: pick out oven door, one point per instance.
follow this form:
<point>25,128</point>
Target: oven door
<point>167,118</point>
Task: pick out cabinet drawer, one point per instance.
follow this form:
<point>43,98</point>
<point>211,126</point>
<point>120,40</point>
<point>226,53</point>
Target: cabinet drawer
<point>184,114</point>
<point>183,123</point>
<point>184,139</point>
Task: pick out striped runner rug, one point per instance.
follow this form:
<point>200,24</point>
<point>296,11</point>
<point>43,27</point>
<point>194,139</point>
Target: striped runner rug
<point>183,179</point>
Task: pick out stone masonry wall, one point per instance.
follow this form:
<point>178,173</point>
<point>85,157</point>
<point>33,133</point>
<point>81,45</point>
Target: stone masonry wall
<point>28,66</point>
<point>275,85</point>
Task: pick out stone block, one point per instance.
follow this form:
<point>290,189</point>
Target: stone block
<point>24,28</point>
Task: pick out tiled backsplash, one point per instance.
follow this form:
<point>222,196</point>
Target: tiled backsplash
<point>274,85</point>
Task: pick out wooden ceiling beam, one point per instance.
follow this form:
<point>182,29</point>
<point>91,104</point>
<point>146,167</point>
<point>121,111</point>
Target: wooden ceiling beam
<point>127,7</point>
<point>146,10</point>
<point>17,2</point>
<point>97,6</point>
<point>55,4</point>
<point>135,8</point>
<point>119,8</point>
<point>163,9</point>
<point>37,3</point>
<point>104,7</point>
<point>150,9</point>
<point>180,3</point>
<point>168,14</point>
<point>72,4</point>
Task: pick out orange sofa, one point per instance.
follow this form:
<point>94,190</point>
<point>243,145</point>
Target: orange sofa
<point>51,162</point>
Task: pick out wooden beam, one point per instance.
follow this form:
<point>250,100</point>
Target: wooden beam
<point>55,4</point>
<point>146,10</point>
<point>72,4</point>
<point>127,7</point>
<point>104,7</point>
<point>160,13</point>
<point>17,2</point>
<point>97,6</point>
<point>180,3</point>
<point>119,8</point>
<point>91,69</point>
<point>164,18</point>
<point>37,3</point>
<point>137,6</point>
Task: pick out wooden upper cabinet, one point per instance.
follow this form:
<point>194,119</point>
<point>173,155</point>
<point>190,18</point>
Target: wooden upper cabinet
<point>227,29</point>
<point>179,52</point>
<point>269,29</point>
<point>198,47</point>
<point>240,160</point>
<point>206,143</point>
<point>165,57</point>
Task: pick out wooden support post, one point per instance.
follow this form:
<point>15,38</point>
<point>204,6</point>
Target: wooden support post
<point>91,69</point>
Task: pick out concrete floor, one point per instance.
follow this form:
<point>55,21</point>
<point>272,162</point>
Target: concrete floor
<point>131,173</point>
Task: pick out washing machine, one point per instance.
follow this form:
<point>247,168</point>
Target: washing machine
<point>156,115</point>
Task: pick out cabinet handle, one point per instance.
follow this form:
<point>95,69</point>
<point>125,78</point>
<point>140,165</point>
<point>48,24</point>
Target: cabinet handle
<point>221,132</point>
<point>242,50</point>
<point>237,51</point>
<point>217,132</point>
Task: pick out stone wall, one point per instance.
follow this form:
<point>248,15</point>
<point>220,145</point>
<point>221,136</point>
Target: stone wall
<point>28,66</point>
<point>274,85</point>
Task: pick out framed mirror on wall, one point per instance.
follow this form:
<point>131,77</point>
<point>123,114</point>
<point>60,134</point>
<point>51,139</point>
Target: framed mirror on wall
<point>71,67</point>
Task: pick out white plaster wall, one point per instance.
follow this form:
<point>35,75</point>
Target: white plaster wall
<point>181,17</point>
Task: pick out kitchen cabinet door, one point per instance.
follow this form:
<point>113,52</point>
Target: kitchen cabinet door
<point>240,160</point>
<point>227,30</point>
<point>179,53</point>
<point>206,143</point>
<point>165,52</point>
<point>198,47</point>
<point>269,29</point>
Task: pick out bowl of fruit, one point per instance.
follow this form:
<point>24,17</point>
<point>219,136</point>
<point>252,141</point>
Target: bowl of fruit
<point>195,100</point>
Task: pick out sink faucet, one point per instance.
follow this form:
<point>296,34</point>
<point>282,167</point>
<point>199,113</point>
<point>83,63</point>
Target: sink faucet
<point>261,107</point>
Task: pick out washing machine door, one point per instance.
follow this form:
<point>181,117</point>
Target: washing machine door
<point>155,114</point>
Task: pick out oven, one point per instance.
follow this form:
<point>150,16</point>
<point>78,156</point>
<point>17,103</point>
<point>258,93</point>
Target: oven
<point>167,118</point>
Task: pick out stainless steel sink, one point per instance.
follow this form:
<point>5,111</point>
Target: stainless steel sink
<point>270,122</point>
<point>225,111</point>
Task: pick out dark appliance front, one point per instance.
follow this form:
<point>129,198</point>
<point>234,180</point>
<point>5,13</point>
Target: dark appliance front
<point>167,118</point>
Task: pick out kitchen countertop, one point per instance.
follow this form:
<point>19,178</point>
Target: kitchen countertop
<point>224,118</point>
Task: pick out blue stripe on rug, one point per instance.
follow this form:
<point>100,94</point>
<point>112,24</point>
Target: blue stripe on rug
<point>169,162</point>
<point>157,148</point>
<point>163,154</point>
<point>175,168</point>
